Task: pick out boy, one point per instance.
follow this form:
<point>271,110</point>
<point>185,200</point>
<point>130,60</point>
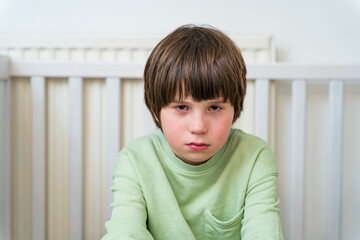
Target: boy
<point>196,177</point>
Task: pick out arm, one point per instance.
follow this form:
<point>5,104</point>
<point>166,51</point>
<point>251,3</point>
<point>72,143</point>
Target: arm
<point>261,215</point>
<point>129,215</point>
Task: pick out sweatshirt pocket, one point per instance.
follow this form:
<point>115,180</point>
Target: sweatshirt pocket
<point>229,229</point>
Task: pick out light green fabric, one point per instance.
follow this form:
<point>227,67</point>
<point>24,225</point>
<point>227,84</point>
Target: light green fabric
<point>231,196</point>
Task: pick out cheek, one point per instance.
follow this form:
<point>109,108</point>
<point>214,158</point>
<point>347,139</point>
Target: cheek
<point>173,136</point>
<point>222,130</point>
<point>167,122</point>
<point>171,129</point>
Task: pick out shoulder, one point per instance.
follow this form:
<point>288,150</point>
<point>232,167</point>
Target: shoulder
<point>142,150</point>
<point>243,140</point>
<point>141,158</point>
<point>253,153</point>
<point>144,144</point>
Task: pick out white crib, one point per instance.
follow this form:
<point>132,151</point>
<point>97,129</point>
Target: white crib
<point>73,108</point>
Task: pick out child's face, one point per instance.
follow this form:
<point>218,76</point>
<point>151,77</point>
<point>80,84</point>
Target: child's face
<point>195,131</point>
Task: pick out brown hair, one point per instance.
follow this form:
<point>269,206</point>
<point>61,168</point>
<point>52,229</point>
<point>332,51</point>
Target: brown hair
<point>197,61</point>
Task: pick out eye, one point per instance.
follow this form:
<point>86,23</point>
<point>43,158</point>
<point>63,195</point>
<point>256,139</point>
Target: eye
<point>215,108</point>
<point>181,107</point>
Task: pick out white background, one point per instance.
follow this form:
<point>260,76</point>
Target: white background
<point>306,31</point>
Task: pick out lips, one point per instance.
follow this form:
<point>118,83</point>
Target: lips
<point>198,146</point>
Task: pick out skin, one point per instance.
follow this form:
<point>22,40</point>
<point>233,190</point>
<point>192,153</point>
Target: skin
<point>194,130</point>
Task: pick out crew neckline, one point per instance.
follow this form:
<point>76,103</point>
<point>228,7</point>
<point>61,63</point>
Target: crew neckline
<point>174,161</point>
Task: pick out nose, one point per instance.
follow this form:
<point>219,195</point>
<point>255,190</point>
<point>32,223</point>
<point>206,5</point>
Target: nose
<point>198,124</point>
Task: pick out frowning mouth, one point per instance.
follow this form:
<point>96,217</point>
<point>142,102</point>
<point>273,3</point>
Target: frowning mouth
<point>198,146</point>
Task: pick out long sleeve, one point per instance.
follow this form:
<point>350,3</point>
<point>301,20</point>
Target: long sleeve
<point>261,214</point>
<point>128,219</point>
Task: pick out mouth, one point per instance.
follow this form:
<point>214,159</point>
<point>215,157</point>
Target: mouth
<point>197,146</point>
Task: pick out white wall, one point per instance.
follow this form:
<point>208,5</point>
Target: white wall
<point>306,31</point>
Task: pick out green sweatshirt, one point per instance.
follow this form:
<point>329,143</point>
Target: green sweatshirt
<point>231,196</point>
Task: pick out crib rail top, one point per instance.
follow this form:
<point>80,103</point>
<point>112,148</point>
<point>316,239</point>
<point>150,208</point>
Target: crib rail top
<point>278,71</point>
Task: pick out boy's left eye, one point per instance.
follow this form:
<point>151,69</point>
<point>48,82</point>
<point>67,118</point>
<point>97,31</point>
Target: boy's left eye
<point>181,107</point>
<point>215,108</point>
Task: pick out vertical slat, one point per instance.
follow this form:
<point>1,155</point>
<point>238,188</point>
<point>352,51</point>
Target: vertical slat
<point>7,190</point>
<point>262,89</point>
<point>108,54</point>
<point>75,157</point>
<point>76,54</point>
<point>113,86</point>
<point>46,53</point>
<point>334,163</point>
<point>124,55</point>
<point>5,164</point>
<point>38,123</point>
<point>297,225</point>
<point>61,53</point>
<point>92,54</point>
<point>21,159</point>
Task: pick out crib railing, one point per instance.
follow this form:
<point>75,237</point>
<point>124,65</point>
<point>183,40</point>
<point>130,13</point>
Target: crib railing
<point>84,174</point>
<point>114,48</point>
<point>4,149</point>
